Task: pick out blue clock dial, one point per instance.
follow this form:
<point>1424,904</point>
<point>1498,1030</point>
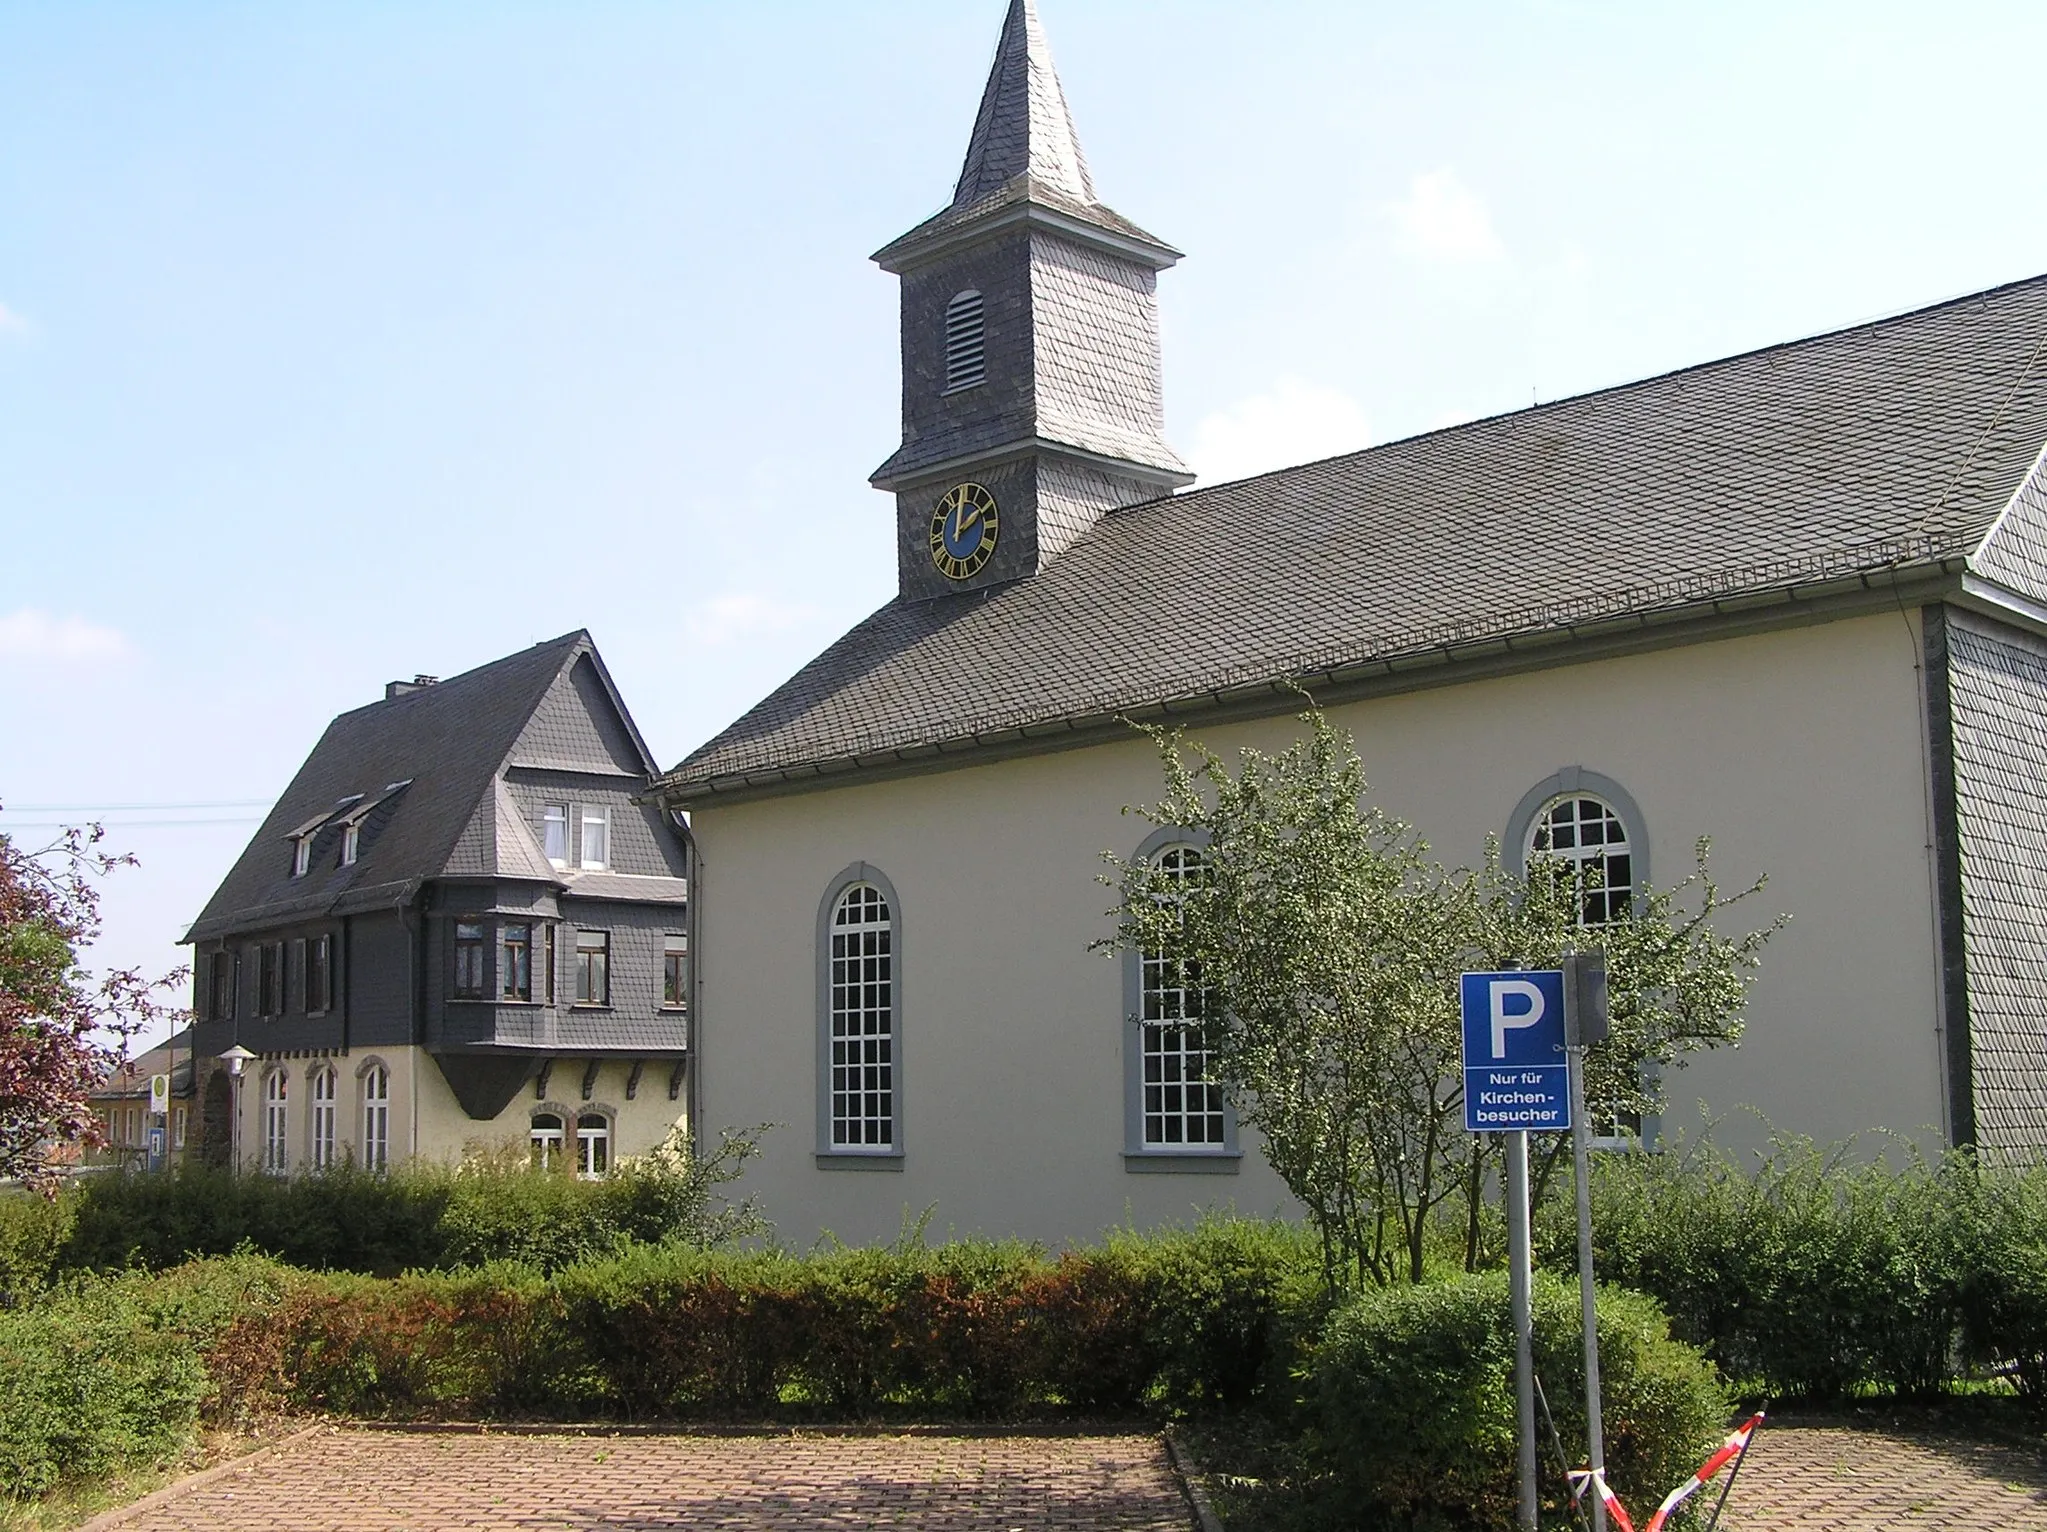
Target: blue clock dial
<point>964,527</point>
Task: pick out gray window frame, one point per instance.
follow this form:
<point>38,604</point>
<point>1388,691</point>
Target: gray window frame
<point>829,1155</point>
<point>1224,1159</point>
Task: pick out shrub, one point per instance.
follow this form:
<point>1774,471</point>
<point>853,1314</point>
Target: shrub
<point>1808,1276</point>
<point>1411,1399</point>
<point>33,1231</point>
<point>88,1384</point>
<point>2004,1276</point>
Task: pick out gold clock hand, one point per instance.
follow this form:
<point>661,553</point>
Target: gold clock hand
<point>963,517</point>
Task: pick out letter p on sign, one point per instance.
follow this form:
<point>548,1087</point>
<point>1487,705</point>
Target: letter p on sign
<point>1506,1020</point>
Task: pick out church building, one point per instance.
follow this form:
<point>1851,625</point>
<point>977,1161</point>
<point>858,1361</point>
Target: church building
<point>1794,600</point>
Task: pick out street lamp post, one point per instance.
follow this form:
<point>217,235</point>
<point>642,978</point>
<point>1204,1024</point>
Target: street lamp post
<point>237,1059</point>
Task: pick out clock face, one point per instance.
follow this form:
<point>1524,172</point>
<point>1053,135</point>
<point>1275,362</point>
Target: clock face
<point>963,529</point>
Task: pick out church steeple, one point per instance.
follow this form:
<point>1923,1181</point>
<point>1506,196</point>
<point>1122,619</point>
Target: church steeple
<point>1032,402</point>
<point>1023,127</point>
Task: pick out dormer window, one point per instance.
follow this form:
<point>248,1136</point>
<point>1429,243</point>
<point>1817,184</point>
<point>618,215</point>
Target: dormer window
<point>351,843</point>
<point>301,855</point>
<point>965,335</point>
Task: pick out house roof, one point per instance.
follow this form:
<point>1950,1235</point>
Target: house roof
<point>1889,445</point>
<point>447,744</point>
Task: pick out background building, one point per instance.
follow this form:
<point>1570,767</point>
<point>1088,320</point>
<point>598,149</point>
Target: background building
<point>461,923</point>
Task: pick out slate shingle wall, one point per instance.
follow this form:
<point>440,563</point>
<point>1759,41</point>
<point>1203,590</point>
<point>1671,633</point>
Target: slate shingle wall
<point>1998,695</point>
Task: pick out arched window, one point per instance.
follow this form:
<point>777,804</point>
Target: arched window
<point>547,1141</point>
<point>376,1119</point>
<point>1175,1117</point>
<point>1584,838</point>
<point>322,1095</point>
<point>965,341</point>
<point>593,1145</point>
<point>1182,1106</point>
<point>275,1089</point>
<point>863,1021</point>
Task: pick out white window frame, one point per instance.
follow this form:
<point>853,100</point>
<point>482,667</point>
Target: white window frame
<point>555,816</point>
<point>321,1094</point>
<point>548,1136</point>
<point>1143,1045</point>
<point>860,1078</point>
<point>276,1122</point>
<point>376,1118</point>
<point>598,820</point>
<point>301,856</point>
<point>675,956</point>
<point>351,843</point>
<point>593,1146</point>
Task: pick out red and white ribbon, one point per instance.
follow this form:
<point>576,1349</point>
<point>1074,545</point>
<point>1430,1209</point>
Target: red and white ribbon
<point>1734,1447</point>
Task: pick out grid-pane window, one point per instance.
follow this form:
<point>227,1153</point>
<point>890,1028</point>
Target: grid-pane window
<point>1183,1107</point>
<point>468,961</point>
<point>675,971</point>
<point>376,1118</point>
<point>593,1145</point>
<point>593,968</point>
<point>319,973</point>
<point>323,1118</point>
<point>554,823</point>
<point>1584,839</point>
<point>515,961</point>
<point>275,1089</point>
<point>596,839</point>
<point>547,1141</point>
<point>863,1020</point>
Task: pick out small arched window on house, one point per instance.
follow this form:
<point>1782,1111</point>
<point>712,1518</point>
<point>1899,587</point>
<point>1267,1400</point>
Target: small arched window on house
<point>965,341</point>
<point>548,1140</point>
<point>322,1095</point>
<point>275,1089</point>
<point>1582,838</point>
<point>593,1145</point>
<point>376,1119</point>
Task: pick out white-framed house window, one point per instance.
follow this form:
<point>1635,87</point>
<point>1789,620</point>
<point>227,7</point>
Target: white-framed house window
<point>548,1141</point>
<point>351,843</point>
<point>593,1145</point>
<point>376,1118</point>
<point>596,846</point>
<point>321,1097</point>
<point>301,856</point>
<point>276,1155</point>
<point>860,1064</point>
<point>554,833</point>
<point>675,972</point>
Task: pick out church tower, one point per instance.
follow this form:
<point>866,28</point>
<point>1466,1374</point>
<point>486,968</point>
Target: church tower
<point>1032,402</point>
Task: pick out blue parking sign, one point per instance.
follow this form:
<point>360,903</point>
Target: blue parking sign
<point>1515,1071</point>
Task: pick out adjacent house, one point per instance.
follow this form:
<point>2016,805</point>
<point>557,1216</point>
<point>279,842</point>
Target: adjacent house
<point>462,923</point>
<point>1794,600</point>
<point>126,1110</point>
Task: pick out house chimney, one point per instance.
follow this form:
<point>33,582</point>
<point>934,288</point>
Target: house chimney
<point>400,688</point>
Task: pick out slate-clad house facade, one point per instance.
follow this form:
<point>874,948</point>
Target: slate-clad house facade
<point>1794,600</point>
<point>461,923</point>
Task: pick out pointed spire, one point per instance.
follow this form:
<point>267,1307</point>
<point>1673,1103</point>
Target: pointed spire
<point>1023,126</point>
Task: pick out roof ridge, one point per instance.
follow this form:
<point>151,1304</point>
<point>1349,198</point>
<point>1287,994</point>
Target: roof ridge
<point>1874,322</point>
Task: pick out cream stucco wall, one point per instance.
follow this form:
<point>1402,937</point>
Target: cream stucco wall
<point>428,1124</point>
<point>1799,751</point>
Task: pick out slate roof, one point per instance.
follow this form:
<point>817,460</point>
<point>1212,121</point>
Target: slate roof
<point>1887,445</point>
<point>448,742</point>
<point>1023,152</point>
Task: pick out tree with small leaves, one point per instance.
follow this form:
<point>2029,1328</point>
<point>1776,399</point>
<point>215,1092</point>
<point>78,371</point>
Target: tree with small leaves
<point>61,1027</point>
<point>1329,945</point>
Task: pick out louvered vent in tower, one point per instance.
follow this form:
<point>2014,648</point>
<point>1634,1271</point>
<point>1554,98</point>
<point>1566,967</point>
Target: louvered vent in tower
<point>964,352</point>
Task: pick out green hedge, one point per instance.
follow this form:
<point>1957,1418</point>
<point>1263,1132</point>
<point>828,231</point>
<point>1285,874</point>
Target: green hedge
<point>489,1209</point>
<point>1812,1275</point>
<point>1411,1400</point>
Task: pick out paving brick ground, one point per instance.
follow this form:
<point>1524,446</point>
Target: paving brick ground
<point>383,1481</point>
<point>1811,1477</point>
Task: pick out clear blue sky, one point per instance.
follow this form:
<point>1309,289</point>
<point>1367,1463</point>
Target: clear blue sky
<point>339,342</point>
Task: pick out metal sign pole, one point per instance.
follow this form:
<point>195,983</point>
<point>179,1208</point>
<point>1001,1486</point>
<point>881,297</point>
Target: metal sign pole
<point>1519,1282</point>
<point>1581,1159</point>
